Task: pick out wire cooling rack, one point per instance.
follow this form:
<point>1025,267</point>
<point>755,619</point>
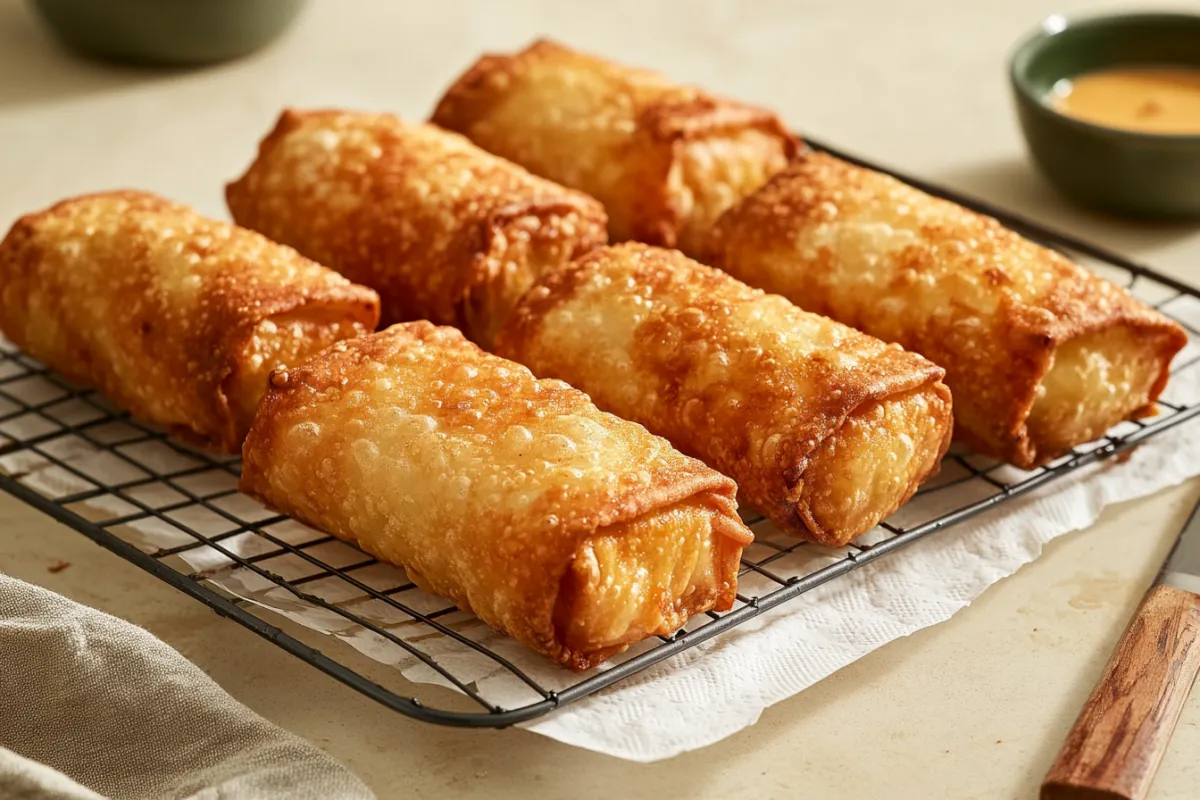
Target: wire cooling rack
<point>175,512</point>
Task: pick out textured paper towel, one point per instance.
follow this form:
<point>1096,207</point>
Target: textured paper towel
<point>701,695</point>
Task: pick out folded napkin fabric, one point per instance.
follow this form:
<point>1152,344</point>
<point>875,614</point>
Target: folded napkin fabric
<point>94,707</point>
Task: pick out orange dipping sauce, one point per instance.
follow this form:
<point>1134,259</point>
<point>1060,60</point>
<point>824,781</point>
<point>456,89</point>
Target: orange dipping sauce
<point>1163,100</point>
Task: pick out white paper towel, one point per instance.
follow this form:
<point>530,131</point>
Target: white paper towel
<point>693,699</point>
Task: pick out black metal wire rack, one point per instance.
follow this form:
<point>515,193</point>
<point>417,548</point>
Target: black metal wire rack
<point>175,512</point>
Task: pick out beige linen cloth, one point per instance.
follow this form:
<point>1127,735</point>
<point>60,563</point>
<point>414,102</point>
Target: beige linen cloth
<point>94,707</point>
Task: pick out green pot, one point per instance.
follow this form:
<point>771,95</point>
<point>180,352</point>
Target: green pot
<point>167,32</point>
<point>1126,172</point>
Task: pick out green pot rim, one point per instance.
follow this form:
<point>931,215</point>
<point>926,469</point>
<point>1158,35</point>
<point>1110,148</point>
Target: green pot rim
<point>1044,35</point>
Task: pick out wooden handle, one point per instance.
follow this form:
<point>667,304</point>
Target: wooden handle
<point>1120,737</point>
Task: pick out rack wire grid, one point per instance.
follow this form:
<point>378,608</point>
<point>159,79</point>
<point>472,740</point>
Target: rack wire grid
<point>175,512</point>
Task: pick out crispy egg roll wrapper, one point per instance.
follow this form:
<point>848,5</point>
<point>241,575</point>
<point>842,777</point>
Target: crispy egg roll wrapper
<point>441,229</point>
<point>1040,353</point>
<point>665,159</point>
<point>176,317</point>
<point>826,430</point>
<point>570,529</point>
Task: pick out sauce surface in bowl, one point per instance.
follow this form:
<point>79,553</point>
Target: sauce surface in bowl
<point>1162,100</point>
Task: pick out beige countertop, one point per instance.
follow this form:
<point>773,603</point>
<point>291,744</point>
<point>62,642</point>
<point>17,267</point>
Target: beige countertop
<point>974,708</point>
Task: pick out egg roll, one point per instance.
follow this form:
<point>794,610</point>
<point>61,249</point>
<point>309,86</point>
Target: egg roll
<point>441,229</point>
<point>826,430</point>
<point>665,159</point>
<point>178,318</point>
<point>1040,353</point>
<point>569,529</point>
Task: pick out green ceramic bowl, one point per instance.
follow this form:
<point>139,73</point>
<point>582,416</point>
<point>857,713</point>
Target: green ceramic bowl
<point>1130,173</point>
<point>167,32</point>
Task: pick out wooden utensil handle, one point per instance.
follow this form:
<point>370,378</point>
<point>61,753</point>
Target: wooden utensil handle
<point>1120,737</point>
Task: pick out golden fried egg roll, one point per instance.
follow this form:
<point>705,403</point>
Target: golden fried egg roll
<point>1041,354</point>
<point>826,430</point>
<point>441,229</point>
<point>176,317</point>
<point>665,159</point>
<point>571,530</point>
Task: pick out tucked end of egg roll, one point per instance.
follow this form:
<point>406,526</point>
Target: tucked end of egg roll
<point>441,229</point>
<point>1041,354</point>
<point>874,462</point>
<point>571,530</point>
<point>826,430</point>
<point>664,159</point>
<point>177,317</point>
<point>278,342</point>
<point>647,577</point>
<point>1097,379</point>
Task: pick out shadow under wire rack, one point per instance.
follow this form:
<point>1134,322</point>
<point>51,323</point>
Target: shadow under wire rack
<point>175,511</point>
